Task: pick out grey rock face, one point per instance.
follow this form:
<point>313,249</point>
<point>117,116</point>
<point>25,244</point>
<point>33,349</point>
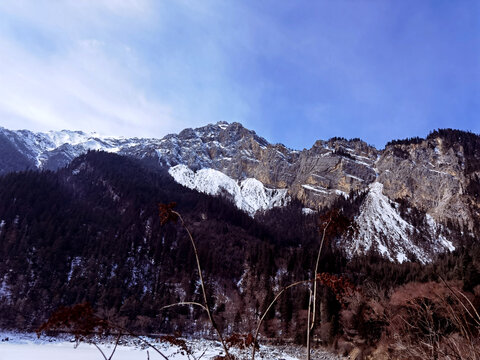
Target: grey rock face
<point>333,168</point>
<point>430,176</point>
<point>316,176</point>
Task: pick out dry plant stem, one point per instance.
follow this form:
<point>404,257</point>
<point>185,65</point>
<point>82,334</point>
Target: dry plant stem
<point>268,309</point>
<point>475,318</point>
<point>312,302</point>
<point>309,326</point>
<point>316,272</point>
<point>115,347</point>
<point>473,307</point>
<point>309,329</point>
<point>184,303</point>
<point>459,322</point>
<point>101,352</point>
<point>113,351</point>
<point>227,354</point>
<point>204,351</point>
<point>128,332</point>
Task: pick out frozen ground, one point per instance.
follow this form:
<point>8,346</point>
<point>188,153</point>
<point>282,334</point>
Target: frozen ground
<point>15,346</point>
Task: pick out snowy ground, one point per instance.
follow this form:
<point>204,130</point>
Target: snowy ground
<point>26,346</point>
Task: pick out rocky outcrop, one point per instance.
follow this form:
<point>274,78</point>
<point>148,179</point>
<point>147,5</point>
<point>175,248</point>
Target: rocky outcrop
<point>331,169</point>
<point>430,176</point>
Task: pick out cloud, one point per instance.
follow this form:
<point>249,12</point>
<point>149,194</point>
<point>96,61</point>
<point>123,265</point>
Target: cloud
<point>71,80</point>
<point>82,88</point>
<point>120,67</point>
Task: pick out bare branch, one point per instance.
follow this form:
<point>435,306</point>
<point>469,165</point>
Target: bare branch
<point>182,303</point>
<point>202,283</point>
<point>101,352</point>
<point>268,309</point>
<point>116,344</point>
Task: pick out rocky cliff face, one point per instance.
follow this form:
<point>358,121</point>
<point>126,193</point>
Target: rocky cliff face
<point>438,175</point>
<point>316,176</point>
<point>431,176</point>
<point>333,168</point>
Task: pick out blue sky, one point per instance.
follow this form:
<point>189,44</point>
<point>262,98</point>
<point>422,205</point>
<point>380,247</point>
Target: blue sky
<point>293,71</point>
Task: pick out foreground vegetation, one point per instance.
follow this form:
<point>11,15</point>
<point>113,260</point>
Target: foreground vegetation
<point>417,320</point>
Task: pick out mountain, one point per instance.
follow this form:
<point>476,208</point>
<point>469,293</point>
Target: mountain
<point>89,230</point>
<point>436,178</point>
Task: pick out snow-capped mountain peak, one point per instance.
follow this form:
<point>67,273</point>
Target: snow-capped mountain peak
<point>54,149</point>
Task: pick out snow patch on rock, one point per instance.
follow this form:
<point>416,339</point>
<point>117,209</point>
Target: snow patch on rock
<point>308,211</point>
<point>380,227</point>
<point>249,195</point>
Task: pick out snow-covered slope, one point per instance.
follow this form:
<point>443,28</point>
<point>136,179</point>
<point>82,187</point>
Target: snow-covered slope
<point>55,149</point>
<point>248,195</point>
<point>380,227</point>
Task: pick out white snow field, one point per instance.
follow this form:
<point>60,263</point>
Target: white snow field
<point>27,346</point>
<point>63,350</point>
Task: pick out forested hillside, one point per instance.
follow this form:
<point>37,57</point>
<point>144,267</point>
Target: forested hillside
<point>90,232</point>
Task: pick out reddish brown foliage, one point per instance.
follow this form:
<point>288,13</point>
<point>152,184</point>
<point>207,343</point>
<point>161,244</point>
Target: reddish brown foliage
<point>241,341</point>
<point>78,320</point>
<point>174,340</point>
<point>166,213</point>
<point>337,224</point>
<point>341,287</point>
<point>433,320</point>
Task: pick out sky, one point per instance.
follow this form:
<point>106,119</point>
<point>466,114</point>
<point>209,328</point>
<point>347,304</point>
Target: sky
<point>293,71</point>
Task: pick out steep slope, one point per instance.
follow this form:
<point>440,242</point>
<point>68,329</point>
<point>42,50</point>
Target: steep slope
<point>380,227</point>
<point>435,174</point>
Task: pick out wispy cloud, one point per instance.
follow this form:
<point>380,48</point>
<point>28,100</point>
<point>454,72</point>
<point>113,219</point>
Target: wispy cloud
<point>84,87</point>
<point>70,65</point>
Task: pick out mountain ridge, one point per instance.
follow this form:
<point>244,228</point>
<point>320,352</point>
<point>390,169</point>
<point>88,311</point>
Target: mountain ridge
<point>436,175</point>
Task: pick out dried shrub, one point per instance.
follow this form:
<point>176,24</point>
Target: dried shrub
<point>167,214</point>
<point>223,357</point>
<point>78,320</point>
<point>363,321</point>
<point>241,341</point>
<point>433,321</point>
<point>174,340</point>
<point>339,285</point>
